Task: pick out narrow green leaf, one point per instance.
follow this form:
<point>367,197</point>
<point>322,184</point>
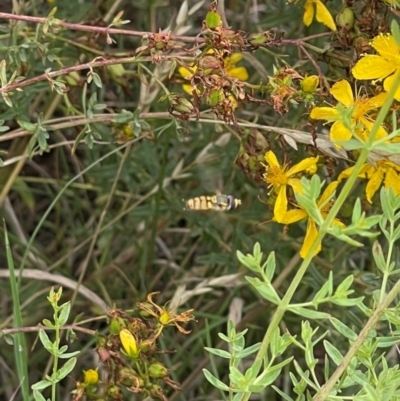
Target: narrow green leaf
<point>64,314</point>
<point>282,394</point>
<point>379,257</point>
<point>265,290</point>
<point>68,355</point>
<point>308,313</point>
<point>248,351</point>
<point>38,396</point>
<point>45,340</point>
<point>41,385</point>
<point>214,381</point>
<point>66,369</point>
<point>20,348</point>
<point>269,266</point>
<point>219,352</point>
<point>333,352</point>
<point>343,329</point>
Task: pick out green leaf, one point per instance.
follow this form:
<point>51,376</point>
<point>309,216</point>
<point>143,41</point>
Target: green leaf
<point>97,80</point>
<point>68,355</point>
<point>64,314</point>
<point>379,257</point>
<point>265,290</point>
<point>214,381</point>
<point>38,396</point>
<point>325,290</point>
<point>248,351</point>
<point>333,352</point>
<point>41,385</point>
<point>343,329</point>
<point>269,266</point>
<point>348,301</point>
<point>66,369</point>
<point>384,342</point>
<point>282,394</point>
<point>266,378</point>
<point>342,288</point>
<point>308,313</point>
<point>304,375</point>
<point>219,352</point>
<point>252,371</point>
<point>28,126</point>
<point>45,340</point>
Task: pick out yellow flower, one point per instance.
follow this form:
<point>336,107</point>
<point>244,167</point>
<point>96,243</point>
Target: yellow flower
<point>359,108</point>
<point>90,377</point>
<point>294,215</point>
<point>129,343</point>
<point>229,65</point>
<point>384,66</point>
<point>385,171</point>
<point>279,177</point>
<point>322,14</point>
<point>309,84</point>
<point>164,316</point>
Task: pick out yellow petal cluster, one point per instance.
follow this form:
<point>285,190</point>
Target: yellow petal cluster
<point>359,108</point>
<point>280,177</point>
<point>382,66</point>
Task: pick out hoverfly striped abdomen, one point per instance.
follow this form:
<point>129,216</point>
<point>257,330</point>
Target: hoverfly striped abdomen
<point>220,203</point>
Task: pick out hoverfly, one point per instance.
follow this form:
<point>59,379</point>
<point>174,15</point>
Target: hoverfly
<point>221,203</point>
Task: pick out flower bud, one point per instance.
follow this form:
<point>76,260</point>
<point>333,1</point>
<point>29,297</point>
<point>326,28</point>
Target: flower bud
<point>184,106</point>
<point>129,378</point>
<point>213,19</point>
<point>309,84</point>
<point>90,376</point>
<point>129,343</point>
<point>157,370</point>
<point>115,325</point>
<point>114,392</point>
<point>216,97</point>
<point>257,39</point>
<point>209,63</point>
<point>345,19</point>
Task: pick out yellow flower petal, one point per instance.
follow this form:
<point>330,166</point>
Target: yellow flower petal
<point>233,101</point>
<point>233,59</point>
<point>387,47</point>
<point>294,215</point>
<point>324,16</point>
<point>392,180</point>
<point>388,83</point>
<point>185,73</point>
<point>382,133</point>
<point>308,13</point>
<point>339,132</point>
<point>239,73</point>
<point>280,207</point>
<point>342,92</point>
<point>324,113</point>
<point>337,222</point>
<point>295,183</point>
<point>129,343</point>
<point>373,184</point>
<point>303,165</point>
<point>187,88</point>
<point>271,159</point>
<point>329,190</point>
<point>311,235</point>
<point>373,67</point>
<point>376,101</point>
<point>363,172</point>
